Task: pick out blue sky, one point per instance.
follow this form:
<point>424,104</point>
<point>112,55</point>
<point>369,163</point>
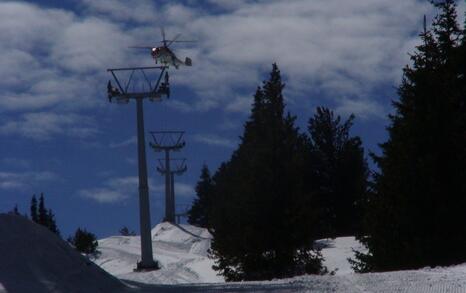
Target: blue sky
<point>59,135</point>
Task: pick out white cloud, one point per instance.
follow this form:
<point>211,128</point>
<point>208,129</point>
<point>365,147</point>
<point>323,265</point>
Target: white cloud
<point>130,141</point>
<point>239,104</point>
<point>184,189</point>
<point>120,189</point>
<point>90,45</point>
<point>341,48</point>
<point>131,161</point>
<point>40,48</point>
<point>16,163</point>
<point>364,109</point>
<point>103,195</point>
<point>21,180</point>
<point>181,189</point>
<point>30,28</point>
<point>462,11</point>
<point>56,58</point>
<point>228,4</point>
<point>214,140</point>
<point>113,190</point>
<point>44,125</point>
<point>141,11</point>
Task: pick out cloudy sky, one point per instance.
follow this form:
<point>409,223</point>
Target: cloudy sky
<point>59,135</point>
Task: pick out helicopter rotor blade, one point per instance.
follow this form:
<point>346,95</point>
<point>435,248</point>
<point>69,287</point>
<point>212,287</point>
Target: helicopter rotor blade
<point>163,36</point>
<point>141,47</point>
<point>174,40</point>
<point>183,41</point>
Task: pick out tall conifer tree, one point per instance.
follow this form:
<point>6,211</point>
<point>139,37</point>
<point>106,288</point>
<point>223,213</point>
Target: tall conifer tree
<point>42,212</point>
<point>51,224</point>
<point>416,211</point>
<point>34,216</point>
<point>199,213</point>
<point>342,172</point>
<point>261,221</point>
<point>43,216</point>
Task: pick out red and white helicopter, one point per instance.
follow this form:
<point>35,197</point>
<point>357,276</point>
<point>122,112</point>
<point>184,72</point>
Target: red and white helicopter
<point>164,55</point>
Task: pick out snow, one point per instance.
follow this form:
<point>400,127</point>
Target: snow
<point>337,251</point>
<point>181,250</point>
<point>32,259</point>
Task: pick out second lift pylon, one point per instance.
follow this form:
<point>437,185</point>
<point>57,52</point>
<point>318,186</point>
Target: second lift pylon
<point>168,141</point>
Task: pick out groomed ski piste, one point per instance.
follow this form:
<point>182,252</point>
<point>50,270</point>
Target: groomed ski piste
<point>32,259</point>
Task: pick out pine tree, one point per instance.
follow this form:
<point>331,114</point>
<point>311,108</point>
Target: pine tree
<point>42,218</point>
<point>261,221</point>
<point>416,208</point>
<point>34,216</point>
<point>124,231</point>
<point>14,211</point>
<point>342,172</point>
<point>51,224</point>
<point>84,241</point>
<point>199,213</point>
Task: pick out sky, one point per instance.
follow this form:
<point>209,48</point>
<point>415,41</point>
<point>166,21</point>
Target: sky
<point>59,134</point>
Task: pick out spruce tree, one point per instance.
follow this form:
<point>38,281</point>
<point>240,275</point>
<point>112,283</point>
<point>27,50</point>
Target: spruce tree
<point>51,224</point>
<point>416,207</point>
<point>14,211</point>
<point>84,241</point>
<point>198,215</point>
<point>261,220</point>
<point>42,217</point>
<point>342,172</point>
<point>34,216</point>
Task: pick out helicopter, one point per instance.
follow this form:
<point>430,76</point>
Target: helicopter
<point>164,55</point>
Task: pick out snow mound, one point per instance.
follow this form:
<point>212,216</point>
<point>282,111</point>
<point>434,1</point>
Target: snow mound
<point>337,251</point>
<point>195,239</point>
<point>181,250</point>
<point>33,259</point>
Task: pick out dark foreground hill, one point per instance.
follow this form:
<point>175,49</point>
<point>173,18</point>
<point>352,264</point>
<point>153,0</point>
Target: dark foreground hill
<point>33,259</point>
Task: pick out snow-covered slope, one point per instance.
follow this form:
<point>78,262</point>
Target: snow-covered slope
<point>32,259</point>
<point>181,250</point>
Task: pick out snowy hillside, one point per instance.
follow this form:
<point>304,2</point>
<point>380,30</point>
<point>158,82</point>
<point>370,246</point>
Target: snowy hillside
<point>181,250</point>
<point>33,259</point>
